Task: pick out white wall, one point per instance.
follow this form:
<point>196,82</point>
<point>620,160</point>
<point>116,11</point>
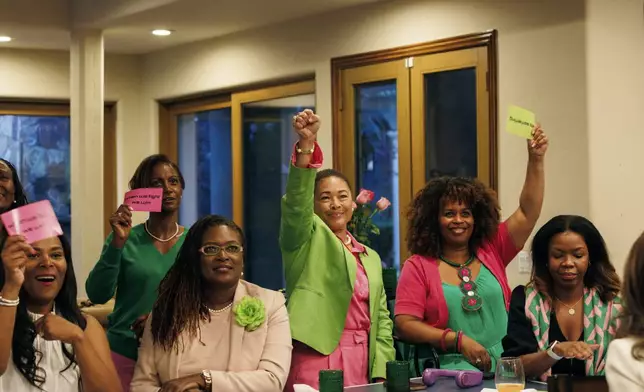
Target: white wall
<point>541,66</point>
<point>615,78</point>
<point>44,74</point>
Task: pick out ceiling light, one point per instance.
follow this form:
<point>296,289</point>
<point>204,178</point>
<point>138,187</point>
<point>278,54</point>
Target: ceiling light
<point>5,38</point>
<point>162,32</point>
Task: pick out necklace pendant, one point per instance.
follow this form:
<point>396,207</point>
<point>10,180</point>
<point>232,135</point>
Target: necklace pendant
<point>571,311</point>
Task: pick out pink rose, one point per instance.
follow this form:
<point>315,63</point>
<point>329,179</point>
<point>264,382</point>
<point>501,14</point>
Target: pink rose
<point>383,204</point>
<point>365,196</point>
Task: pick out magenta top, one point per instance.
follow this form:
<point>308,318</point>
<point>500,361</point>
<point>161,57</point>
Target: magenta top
<point>420,290</point>
<point>358,318</point>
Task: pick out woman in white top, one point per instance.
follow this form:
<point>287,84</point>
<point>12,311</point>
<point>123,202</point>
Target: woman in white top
<point>625,361</point>
<point>46,343</point>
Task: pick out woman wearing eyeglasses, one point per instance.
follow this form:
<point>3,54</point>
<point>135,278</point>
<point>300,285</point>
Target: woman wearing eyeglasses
<point>209,330</point>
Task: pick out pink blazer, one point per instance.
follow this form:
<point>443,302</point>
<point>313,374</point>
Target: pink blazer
<point>259,360</point>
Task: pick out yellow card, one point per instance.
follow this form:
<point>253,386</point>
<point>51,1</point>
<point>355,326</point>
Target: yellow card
<point>520,122</point>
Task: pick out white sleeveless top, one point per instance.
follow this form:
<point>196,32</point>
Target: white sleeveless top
<point>53,361</point>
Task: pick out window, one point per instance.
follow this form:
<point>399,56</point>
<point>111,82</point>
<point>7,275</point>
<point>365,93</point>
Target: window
<point>234,154</point>
<point>406,115</point>
<point>36,139</point>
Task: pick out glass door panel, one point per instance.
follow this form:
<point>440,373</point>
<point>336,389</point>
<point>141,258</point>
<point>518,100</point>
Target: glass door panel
<point>450,128</point>
<point>205,159</point>
<point>263,136</point>
<point>38,146</point>
<point>374,147</point>
<point>450,123</point>
<point>268,142</point>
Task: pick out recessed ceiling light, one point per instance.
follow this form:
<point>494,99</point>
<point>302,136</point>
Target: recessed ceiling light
<point>162,32</point>
<point>5,38</point>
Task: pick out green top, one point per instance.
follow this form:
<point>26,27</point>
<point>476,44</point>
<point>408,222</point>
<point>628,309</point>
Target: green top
<point>136,270</point>
<point>487,325</point>
<point>320,273</point>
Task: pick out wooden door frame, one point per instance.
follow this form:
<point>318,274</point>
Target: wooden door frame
<point>170,110</point>
<point>471,58</point>
<point>237,128</point>
<point>486,39</point>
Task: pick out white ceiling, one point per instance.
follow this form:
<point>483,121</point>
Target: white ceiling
<point>45,24</point>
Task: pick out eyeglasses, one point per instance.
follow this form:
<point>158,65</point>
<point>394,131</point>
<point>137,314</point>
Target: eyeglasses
<point>214,250</point>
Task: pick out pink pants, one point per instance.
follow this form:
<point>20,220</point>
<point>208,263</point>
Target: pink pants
<point>125,369</point>
<point>351,356</point>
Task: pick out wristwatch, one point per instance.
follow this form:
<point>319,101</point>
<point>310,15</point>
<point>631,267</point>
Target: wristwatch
<point>551,352</point>
<point>207,379</point>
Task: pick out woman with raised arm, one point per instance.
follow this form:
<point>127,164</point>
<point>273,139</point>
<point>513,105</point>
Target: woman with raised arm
<point>46,343</point>
<point>135,259</point>
<point>337,303</point>
<point>453,292</point>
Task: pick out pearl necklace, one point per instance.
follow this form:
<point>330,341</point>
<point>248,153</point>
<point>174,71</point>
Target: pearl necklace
<point>161,239</point>
<point>225,308</point>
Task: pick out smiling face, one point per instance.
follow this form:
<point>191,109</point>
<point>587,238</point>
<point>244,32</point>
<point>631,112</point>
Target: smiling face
<point>456,224</point>
<point>166,177</point>
<point>333,203</point>
<point>7,187</point>
<point>568,259</point>
<point>222,256</point>
<point>45,271</point>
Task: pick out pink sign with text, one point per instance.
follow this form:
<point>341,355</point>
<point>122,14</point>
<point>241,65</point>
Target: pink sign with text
<point>144,199</point>
<point>35,221</point>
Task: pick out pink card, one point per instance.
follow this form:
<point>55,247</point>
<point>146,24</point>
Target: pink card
<point>36,221</point>
<point>144,199</point>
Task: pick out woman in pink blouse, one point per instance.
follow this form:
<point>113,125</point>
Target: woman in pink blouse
<point>453,292</point>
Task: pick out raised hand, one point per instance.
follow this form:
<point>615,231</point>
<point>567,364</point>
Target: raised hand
<point>476,354</point>
<point>53,327</point>
<point>14,258</point>
<point>307,125</point>
<point>538,146</point>
<point>121,222</point>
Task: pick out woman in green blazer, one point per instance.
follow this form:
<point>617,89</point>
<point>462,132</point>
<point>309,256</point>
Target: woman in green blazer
<point>336,300</point>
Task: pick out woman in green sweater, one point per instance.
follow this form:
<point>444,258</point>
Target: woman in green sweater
<point>135,259</point>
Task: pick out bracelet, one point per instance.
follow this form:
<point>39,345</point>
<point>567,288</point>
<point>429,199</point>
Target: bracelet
<point>9,302</point>
<point>300,151</point>
<point>443,344</point>
<point>459,341</point>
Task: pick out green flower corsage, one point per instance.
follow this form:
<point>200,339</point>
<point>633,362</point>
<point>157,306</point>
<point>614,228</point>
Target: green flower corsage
<point>250,313</point>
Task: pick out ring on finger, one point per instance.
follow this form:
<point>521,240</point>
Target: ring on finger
<point>478,360</point>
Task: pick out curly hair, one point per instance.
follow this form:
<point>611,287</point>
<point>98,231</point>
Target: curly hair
<point>142,177</point>
<point>424,234</point>
<point>25,355</point>
<point>633,299</point>
<point>601,272</point>
<point>180,307</point>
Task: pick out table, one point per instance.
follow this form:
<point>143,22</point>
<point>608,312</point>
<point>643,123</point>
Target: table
<point>442,385</point>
